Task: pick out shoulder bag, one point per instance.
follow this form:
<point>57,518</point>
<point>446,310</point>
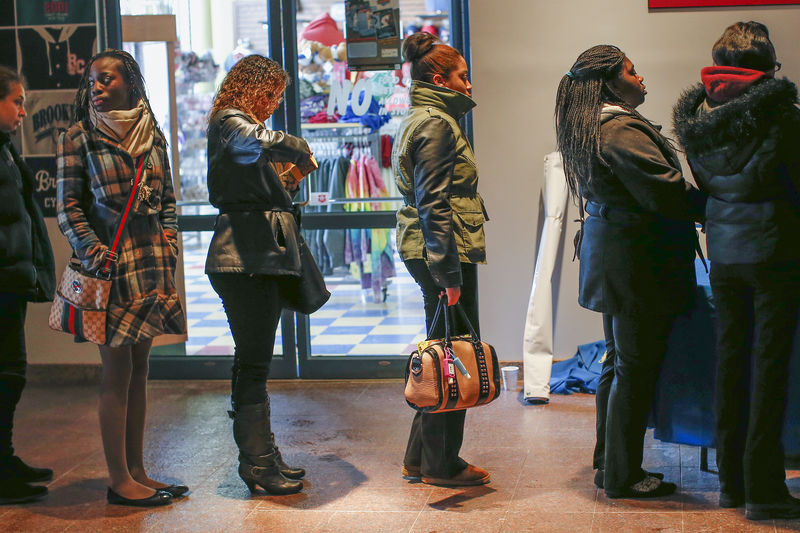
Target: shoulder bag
<point>452,373</point>
<point>81,298</point>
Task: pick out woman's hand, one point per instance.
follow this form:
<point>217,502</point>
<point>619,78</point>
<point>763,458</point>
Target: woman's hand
<point>453,294</point>
<point>308,166</point>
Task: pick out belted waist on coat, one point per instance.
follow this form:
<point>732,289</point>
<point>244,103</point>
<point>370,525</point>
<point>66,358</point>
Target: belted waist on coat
<point>255,208</point>
<point>410,202</point>
<point>617,214</point>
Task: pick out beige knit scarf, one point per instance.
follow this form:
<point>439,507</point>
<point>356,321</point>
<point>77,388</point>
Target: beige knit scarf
<point>133,128</point>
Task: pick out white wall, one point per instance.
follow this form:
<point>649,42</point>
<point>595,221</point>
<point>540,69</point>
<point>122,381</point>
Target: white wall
<point>520,51</point>
<point>521,48</point>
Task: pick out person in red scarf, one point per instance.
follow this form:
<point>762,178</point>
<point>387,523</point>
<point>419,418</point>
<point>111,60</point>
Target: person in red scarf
<point>741,132</point>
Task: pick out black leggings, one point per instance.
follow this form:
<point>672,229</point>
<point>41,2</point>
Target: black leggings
<point>435,439</point>
<point>254,310</point>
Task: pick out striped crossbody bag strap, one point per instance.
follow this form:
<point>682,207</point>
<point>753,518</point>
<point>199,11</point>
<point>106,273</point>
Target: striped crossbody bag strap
<point>111,255</point>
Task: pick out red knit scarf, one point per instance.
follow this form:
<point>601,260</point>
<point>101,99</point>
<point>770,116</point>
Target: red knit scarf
<point>725,83</point>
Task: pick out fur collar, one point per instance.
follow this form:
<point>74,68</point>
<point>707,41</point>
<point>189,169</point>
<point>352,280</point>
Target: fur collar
<point>742,118</point>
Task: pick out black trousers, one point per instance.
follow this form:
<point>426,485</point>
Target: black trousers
<point>757,309</point>
<point>639,347</point>
<point>253,308</point>
<point>435,439</point>
<point>13,363</point>
<point>603,391</point>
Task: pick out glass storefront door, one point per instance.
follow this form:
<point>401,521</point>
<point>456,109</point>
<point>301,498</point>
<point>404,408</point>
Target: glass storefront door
<point>349,117</point>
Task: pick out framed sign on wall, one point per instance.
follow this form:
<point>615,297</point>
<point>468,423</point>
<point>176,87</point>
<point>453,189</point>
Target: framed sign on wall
<point>656,4</point>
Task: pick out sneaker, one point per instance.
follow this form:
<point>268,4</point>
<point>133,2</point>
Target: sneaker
<point>599,476</point>
<point>14,468</point>
<point>649,487</point>
<point>16,491</point>
<point>788,507</point>
<point>471,475</point>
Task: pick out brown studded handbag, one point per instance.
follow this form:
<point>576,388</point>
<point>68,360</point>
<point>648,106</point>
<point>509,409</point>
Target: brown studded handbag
<point>81,299</point>
<point>451,373</point>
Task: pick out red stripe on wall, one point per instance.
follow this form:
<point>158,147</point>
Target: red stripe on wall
<point>655,4</point>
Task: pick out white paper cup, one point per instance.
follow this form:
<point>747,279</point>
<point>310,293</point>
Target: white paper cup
<point>510,374</point>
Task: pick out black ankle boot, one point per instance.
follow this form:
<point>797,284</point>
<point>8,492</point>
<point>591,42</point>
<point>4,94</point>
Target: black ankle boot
<point>263,471</point>
<point>258,464</point>
<point>12,467</point>
<point>15,491</point>
<point>290,472</point>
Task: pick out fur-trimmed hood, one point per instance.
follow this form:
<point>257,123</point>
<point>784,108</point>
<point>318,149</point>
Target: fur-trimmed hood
<point>740,120</point>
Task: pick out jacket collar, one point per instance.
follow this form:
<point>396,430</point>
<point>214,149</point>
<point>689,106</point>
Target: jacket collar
<point>701,127</point>
<point>452,102</point>
<point>4,138</point>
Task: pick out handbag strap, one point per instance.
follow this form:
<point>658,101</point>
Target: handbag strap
<point>111,255</point>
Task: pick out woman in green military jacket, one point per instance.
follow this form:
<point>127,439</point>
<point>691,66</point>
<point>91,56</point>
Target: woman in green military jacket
<point>439,232</point>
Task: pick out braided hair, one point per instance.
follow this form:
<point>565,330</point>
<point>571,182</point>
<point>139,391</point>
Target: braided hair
<point>132,74</point>
<point>581,95</point>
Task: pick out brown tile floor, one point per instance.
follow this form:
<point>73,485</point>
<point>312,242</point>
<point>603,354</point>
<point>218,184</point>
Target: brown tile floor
<point>350,436</point>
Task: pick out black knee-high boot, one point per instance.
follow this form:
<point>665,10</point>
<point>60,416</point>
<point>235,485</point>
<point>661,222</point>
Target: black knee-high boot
<point>258,465</point>
<point>288,471</point>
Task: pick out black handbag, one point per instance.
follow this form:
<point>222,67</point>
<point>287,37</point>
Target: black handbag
<point>305,293</point>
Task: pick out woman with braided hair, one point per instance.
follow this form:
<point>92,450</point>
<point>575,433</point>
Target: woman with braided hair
<point>114,132</point>
<point>636,251</point>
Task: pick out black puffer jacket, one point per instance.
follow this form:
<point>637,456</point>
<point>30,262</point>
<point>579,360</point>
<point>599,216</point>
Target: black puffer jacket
<point>27,267</point>
<point>746,154</point>
<point>256,231</point>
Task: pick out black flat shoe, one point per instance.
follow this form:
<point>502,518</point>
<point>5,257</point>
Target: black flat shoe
<point>159,498</point>
<point>649,487</point>
<point>176,491</point>
<point>599,476</point>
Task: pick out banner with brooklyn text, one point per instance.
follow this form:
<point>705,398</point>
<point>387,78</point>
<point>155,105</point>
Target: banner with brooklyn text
<point>49,43</point>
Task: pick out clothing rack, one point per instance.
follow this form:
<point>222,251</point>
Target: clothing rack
<point>329,139</point>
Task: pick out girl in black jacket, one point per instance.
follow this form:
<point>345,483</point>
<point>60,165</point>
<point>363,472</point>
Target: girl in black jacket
<point>254,249</point>
<point>26,275</point>
<point>637,250</point>
<point>741,131</point>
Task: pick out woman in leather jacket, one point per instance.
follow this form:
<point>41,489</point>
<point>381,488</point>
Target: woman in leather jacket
<point>255,248</point>
<point>439,232</point>
<point>636,253</point>
<point>741,131</point>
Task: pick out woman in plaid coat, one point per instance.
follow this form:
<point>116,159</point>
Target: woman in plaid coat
<point>113,132</point>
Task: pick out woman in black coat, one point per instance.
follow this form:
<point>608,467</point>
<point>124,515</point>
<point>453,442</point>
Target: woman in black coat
<point>26,275</point>
<point>741,131</point>
<point>255,249</point>
<point>637,250</point>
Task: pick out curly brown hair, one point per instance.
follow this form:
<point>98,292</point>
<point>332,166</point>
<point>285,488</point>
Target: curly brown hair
<point>254,85</point>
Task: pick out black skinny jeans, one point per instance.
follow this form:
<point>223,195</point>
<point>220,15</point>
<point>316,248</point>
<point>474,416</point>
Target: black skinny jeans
<point>435,439</point>
<point>757,308</point>
<point>628,381</point>
<point>13,363</point>
<point>253,307</point>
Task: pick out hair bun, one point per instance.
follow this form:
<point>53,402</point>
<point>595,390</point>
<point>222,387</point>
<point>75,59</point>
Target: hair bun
<point>416,45</point>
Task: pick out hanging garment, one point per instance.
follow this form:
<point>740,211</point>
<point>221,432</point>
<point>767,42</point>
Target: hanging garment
<point>537,345</point>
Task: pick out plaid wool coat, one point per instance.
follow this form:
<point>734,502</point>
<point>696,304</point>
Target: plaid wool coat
<point>94,183</point>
